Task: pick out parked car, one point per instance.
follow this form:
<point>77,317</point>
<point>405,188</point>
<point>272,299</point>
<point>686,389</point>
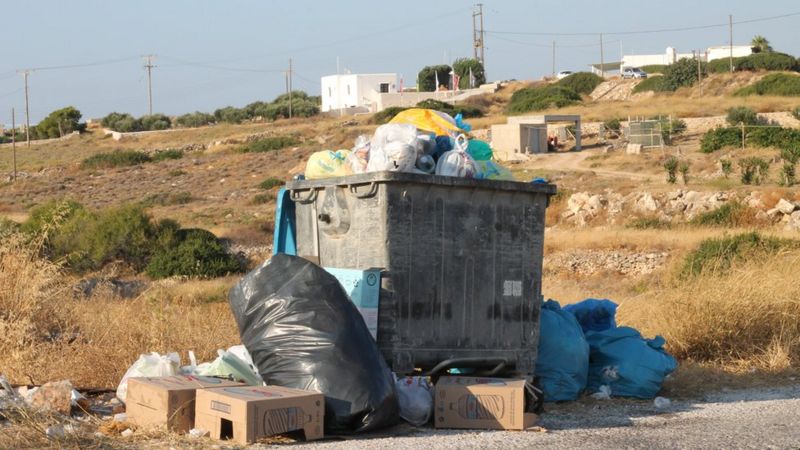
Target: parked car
<point>563,74</point>
<point>633,72</point>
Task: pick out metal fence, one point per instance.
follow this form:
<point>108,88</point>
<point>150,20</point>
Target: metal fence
<point>647,132</point>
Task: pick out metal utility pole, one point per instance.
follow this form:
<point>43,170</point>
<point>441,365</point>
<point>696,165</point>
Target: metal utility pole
<point>25,74</point>
<point>477,34</point>
<point>289,85</point>
<point>14,143</point>
<point>149,66</point>
<point>699,71</point>
<point>730,33</point>
<point>554,59</point>
<point>602,59</point>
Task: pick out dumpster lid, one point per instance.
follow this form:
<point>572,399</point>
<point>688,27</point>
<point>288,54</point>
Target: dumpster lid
<point>404,177</point>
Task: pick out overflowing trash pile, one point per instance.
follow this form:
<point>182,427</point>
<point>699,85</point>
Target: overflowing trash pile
<point>416,140</point>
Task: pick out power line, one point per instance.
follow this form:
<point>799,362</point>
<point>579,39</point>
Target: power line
<point>532,44</point>
<point>77,66</point>
<point>10,93</point>
<point>657,30</point>
<point>182,62</point>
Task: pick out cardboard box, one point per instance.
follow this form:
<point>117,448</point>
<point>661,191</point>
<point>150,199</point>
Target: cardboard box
<point>481,403</point>
<point>363,287</point>
<point>246,414</point>
<point>167,401</point>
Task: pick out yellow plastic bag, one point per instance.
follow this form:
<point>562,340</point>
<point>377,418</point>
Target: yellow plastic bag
<point>428,120</point>
<point>327,164</point>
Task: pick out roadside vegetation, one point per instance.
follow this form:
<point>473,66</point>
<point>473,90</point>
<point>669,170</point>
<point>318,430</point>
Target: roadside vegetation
<point>123,158</point>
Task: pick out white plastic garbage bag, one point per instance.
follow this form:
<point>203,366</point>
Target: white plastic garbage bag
<point>358,158</point>
<point>457,162</point>
<point>415,398</point>
<point>393,147</point>
<point>236,364</point>
<point>152,365</point>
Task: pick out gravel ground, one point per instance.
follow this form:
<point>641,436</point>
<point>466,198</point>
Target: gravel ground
<point>755,418</point>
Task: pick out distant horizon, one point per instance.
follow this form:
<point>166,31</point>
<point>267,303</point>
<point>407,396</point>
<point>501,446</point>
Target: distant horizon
<point>210,55</point>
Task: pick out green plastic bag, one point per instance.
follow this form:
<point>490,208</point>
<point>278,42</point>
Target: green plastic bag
<point>228,365</point>
<point>479,150</point>
<point>490,170</point>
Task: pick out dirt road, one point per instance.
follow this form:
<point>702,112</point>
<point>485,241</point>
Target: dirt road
<point>575,162</point>
<point>756,418</point>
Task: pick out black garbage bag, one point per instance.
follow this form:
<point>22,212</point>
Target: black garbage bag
<point>303,332</point>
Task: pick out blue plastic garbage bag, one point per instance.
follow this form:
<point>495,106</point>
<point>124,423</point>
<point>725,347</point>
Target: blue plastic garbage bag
<point>630,365</point>
<point>563,361</point>
<point>594,314</point>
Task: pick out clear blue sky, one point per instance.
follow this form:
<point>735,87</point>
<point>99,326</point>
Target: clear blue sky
<point>367,36</point>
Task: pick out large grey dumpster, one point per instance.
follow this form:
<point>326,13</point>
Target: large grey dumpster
<point>461,260</point>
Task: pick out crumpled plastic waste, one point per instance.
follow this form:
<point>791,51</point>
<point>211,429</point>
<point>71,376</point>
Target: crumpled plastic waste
<point>149,365</point>
<point>327,164</point>
<point>457,162</point>
<point>415,398</point>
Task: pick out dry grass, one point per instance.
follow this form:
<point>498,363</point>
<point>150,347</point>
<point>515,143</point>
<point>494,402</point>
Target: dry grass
<point>50,335</point>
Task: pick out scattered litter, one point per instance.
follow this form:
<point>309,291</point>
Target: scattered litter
<point>661,402</point>
<point>111,428</point>
<point>415,399</point>
<point>302,331</point>
<point>198,433</point>
<point>229,365</point>
<point>152,365</point>
<point>562,364</point>
<point>120,417</point>
<point>55,432</point>
<point>127,433</point>
<point>603,393</point>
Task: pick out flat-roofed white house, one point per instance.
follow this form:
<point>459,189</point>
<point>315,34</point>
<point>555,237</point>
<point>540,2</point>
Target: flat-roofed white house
<point>671,55</point>
<point>355,91</point>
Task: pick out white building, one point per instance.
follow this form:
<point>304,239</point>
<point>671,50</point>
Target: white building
<point>671,55</point>
<point>356,91</point>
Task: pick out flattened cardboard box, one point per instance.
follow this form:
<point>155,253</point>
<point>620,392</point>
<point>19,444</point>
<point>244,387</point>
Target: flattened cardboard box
<point>167,401</point>
<point>481,403</point>
<point>246,414</point>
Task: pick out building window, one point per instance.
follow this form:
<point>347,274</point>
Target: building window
<point>384,89</point>
<point>330,92</point>
<point>348,89</point>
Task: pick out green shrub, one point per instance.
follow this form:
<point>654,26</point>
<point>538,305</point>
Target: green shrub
<point>193,120</point>
<point>654,68</point>
<point>719,255</point>
<point>89,240</point>
<point>726,166</point>
<point>122,122</point>
<point>462,66</point>
<point>788,174</point>
<point>718,138</point>
<point>671,127</point>
<point>426,79</point>
<point>742,114</point>
<point>537,99</point>
<point>168,199</point>
<point>49,216</point>
<point>582,82</point>
<point>777,137</point>
<point>466,111</point>
<point>648,223</point>
<point>754,170</point>
<point>730,214</point>
<point>782,84</point>
<point>229,114</point>
<point>612,124</point>
<point>671,166</point>
<point>8,227</point>
<point>119,158</point>
<point>766,61</point>
<point>155,122</point>
<point>683,168</point>
<point>654,84</point>
<point>382,117</point>
<point>270,183</point>
<point>260,199</point>
<point>682,73</point>
<point>269,144</point>
<point>195,253</point>
<point>168,154</point>
<point>303,105</point>
<point>796,113</point>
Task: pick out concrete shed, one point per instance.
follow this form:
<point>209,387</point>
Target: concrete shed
<point>528,134</point>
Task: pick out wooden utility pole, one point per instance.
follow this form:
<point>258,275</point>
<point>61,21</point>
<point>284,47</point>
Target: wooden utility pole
<point>149,66</point>
<point>290,87</point>
<point>554,59</point>
<point>602,59</point>
<point>14,143</point>
<point>25,74</point>
<point>730,36</point>
<point>699,72</point>
<point>478,34</point>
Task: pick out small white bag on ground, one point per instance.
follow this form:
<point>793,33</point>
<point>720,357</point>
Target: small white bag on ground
<point>152,365</point>
<point>457,162</point>
<point>415,398</point>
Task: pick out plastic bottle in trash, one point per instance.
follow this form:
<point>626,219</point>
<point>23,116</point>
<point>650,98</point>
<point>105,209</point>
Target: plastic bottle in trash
<point>426,164</point>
